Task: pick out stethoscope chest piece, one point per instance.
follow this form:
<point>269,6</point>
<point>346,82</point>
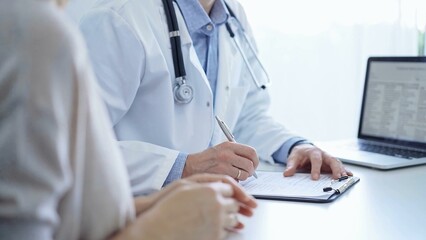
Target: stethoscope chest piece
<point>183,93</point>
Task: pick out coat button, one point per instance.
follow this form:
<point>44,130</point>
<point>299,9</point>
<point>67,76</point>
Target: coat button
<point>208,104</point>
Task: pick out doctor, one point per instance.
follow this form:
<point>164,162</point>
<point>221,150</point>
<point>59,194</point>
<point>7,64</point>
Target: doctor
<point>163,108</point>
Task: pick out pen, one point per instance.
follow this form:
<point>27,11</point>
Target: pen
<point>228,134</point>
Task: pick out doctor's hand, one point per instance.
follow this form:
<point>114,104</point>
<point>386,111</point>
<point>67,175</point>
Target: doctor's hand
<point>233,159</point>
<point>309,157</point>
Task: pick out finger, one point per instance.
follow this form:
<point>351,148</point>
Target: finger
<point>230,205</point>
<point>343,171</point>
<point>239,193</point>
<point>231,220</point>
<point>240,225</point>
<point>245,211</point>
<point>335,166</point>
<point>347,171</point>
<point>245,152</point>
<point>293,162</point>
<point>316,163</point>
<point>241,174</point>
<point>238,174</point>
<point>221,189</point>
<point>225,190</point>
<point>243,164</point>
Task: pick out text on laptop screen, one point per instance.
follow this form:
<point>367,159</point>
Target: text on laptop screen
<point>395,101</point>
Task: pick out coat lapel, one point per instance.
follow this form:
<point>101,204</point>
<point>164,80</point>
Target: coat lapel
<point>227,52</point>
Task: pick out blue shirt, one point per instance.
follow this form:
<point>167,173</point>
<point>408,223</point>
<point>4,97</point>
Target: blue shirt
<point>204,33</point>
<point>205,37</point>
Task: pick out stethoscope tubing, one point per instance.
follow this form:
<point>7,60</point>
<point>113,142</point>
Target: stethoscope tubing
<point>177,55</point>
<point>174,35</point>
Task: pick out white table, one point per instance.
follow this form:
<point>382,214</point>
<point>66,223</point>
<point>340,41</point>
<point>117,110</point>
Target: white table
<point>383,205</point>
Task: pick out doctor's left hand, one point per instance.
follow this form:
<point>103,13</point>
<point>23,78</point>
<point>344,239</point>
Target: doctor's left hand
<point>309,157</point>
<point>233,159</point>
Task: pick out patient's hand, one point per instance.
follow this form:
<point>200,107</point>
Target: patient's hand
<point>203,206</point>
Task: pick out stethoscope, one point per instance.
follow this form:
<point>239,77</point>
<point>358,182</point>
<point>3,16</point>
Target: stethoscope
<point>183,92</point>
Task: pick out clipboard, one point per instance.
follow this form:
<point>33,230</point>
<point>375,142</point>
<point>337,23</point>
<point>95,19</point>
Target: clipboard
<point>300,187</point>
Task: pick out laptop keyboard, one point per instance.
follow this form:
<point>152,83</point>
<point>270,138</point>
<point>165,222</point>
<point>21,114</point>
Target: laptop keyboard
<point>396,152</point>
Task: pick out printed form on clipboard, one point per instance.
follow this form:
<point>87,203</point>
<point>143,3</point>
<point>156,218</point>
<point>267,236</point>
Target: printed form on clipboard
<point>300,187</point>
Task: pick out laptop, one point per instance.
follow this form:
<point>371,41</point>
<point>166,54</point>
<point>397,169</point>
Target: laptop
<point>392,125</point>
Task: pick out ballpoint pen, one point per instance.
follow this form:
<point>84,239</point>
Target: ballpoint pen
<point>228,134</point>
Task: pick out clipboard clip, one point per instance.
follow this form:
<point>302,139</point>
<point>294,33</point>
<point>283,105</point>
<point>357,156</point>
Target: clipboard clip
<point>343,187</point>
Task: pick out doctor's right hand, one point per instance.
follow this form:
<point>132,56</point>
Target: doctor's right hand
<point>234,159</point>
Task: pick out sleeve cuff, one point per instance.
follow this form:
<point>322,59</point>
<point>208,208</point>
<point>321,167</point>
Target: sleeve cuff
<point>281,155</point>
<point>177,169</point>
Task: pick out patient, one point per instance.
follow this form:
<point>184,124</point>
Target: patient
<point>61,172</point>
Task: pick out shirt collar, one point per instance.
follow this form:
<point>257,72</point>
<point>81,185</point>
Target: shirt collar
<point>196,18</point>
<point>219,13</point>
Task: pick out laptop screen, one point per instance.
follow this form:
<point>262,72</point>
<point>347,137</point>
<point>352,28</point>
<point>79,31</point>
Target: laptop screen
<point>394,100</point>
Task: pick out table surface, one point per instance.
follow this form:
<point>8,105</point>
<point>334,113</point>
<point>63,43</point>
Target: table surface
<point>383,205</point>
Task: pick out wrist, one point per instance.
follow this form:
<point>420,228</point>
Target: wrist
<point>298,145</point>
<point>187,169</point>
<point>140,228</point>
<point>144,203</point>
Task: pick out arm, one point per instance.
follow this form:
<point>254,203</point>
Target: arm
<point>34,164</point>
<point>118,59</point>
<point>272,141</point>
<point>31,191</point>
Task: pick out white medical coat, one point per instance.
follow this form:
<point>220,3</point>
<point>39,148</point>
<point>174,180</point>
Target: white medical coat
<point>61,172</point>
<point>130,49</point>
